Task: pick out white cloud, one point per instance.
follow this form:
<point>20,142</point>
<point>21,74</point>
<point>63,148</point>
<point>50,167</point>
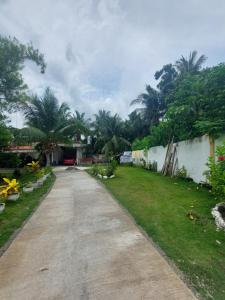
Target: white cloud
<point>101,53</point>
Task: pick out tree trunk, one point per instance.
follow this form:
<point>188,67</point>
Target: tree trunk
<point>47,159</point>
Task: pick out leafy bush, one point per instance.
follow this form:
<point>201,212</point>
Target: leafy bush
<point>17,174</point>
<point>114,165</point>
<point>101,170</point>
<point>216,174</point>
<point>9,160</point>
<point>140,144</point>
<point>40,173</point>
<point>94,170</point>
<point>109,171</point>
<point>47,169</point>
<point>181,173</point>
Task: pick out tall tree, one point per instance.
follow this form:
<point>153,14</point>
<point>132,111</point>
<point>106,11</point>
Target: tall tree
<point>13,54</point>
<point>191,65</point>
<point>47,121</point>
<point>167,76</point>
<point>135,126</point>
<point>109,131</point>
<point>153,106</point>
<point>78,126</point>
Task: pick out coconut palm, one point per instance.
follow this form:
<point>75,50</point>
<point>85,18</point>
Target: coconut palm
<point>46,122</point>
<point>78,125</point>
<point>166,76</point>
<point>135,127</point>
<point>191,65</point>
<point>109,133</point>
<point>152,106</point>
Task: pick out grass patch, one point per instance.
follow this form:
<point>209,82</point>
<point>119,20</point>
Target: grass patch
<point>160,206</point>
<point>17,212</point>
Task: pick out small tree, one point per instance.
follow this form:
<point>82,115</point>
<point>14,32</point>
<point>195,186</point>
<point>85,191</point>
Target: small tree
<point>216,174</point>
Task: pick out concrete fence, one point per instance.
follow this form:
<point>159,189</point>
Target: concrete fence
<point>191,154</point>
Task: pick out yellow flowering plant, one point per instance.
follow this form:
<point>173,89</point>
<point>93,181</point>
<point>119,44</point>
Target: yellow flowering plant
<point>34,166</point>
<point>11,187</point>
<point>3,193</point>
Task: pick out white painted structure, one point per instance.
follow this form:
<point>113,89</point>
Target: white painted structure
<point>192,154</point>
<point>126,157</point>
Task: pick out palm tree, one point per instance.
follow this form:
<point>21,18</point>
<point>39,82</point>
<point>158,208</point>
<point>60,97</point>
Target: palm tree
<point>167,76</point>
<point>153,106</point>
<point>79,125</point>
<point>135,127</point>
<point>46,121</point>
<point>109,133</point>
<point>191,65</point>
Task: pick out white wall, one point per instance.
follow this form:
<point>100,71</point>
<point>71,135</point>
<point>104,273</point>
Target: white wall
<point>137,157</point>
<point>192,154</point>
<point>157,154</point>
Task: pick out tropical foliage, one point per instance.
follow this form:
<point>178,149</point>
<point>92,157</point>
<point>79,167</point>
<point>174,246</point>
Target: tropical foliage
<point>188,101</point>
<point>78,125</point>
<point>109,133</point>
<point>153,106</point>
<point>190,65</point>
<point>13,54</point>
<point>11,186</point>
<point>194,101</point>
<point>46,121</point>
<point>216,173</point>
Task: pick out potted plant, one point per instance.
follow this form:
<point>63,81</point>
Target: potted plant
<point>11,189</point>
<point>34,166</point>
<point>35,185</point>
<point>47,171</point>
<point>40,177</point>
<point>3,195</point>
<point>2,207</point>
<point>28,188</point>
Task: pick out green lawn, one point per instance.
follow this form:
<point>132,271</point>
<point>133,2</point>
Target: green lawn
<point>160,205</point>
<point>17,212</point>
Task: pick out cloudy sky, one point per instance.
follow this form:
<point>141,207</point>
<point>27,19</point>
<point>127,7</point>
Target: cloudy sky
<point>101,53</point>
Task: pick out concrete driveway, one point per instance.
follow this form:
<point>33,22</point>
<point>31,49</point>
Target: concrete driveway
<point>80,244</point>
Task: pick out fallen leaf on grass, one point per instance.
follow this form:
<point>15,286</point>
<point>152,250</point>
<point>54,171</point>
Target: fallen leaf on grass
<point>192,215</point>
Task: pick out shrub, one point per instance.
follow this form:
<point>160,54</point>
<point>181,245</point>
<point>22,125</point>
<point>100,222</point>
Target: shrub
<point>94,170</point>
<point>181,173</point>
<point>109,171</point>
<point>40,173</point>
<point>114,165</point>
<point>17,173</point>
<point>47,170</point>
<point>216,174</point>
<point>9,160</point>
<point>34,166</point>
<point>140,144</point>
<point>101,171</point>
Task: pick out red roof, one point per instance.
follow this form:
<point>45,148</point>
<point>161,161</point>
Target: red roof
<point>13,148</point>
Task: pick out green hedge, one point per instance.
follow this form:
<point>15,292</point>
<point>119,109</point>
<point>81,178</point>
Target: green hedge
<point>9,160</point>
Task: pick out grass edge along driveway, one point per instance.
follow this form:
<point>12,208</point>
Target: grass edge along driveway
<point>16,213</point>
<point>160,205</point>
